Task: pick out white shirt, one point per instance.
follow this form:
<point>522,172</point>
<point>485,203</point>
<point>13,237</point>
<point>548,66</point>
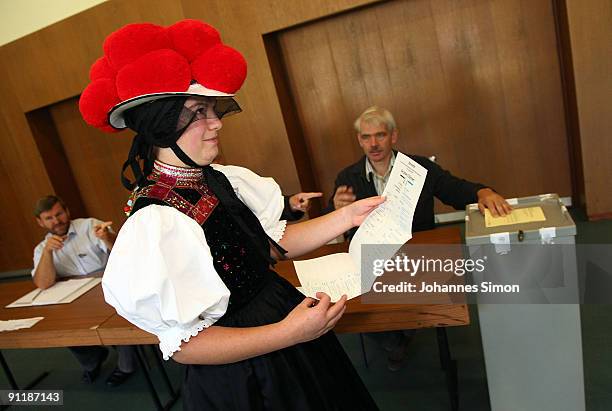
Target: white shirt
<point>83,253</point>
<point>160,275</point>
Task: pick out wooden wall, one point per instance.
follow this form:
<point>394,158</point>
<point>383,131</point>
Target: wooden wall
<point>590,30</point>
<point>95,159</point>
<point>24,180</point>
<point>48,69</point>
<point>475,83</point>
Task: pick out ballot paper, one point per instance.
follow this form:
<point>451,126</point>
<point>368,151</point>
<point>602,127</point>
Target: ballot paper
<point>12,325</point>
<point>517,216</point>
<point>62,292</point>
<point>334,274</point>
<point>390,223</point>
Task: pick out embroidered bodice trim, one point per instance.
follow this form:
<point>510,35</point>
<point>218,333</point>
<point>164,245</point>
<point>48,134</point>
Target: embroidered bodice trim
<point>167,178</point>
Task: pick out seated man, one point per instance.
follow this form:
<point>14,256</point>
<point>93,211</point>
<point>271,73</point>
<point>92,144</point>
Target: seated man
<point>75,248</point>
<point>376,135</point>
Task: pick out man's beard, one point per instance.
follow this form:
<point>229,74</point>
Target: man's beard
<point>60,229</point>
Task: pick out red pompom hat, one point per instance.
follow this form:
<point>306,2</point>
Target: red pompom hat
<point>145,62</point>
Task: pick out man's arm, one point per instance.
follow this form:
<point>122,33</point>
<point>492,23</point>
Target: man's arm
<point>330,204</point>
<point>288,213</point>
<point>104,233</point>
<point>458,192</point>
<point>45,274</point>
<point>452,190</point>
<point>343,194</point>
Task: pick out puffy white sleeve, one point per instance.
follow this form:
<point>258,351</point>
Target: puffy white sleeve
<point>261,194</point>
<point>160,277</point>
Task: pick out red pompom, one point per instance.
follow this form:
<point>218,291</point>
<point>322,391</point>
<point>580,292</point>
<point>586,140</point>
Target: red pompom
<point>144,59</point>
<point>132,41</point>
<point>192,37</point>
<point>101,69</point>
<point>96,101</point>
<point>221,68</point>
<point>156,72</point>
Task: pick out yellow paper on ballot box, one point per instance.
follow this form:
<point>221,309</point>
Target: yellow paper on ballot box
<point>517,216</point>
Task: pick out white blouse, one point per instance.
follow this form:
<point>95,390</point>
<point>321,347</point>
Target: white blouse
<point>160,274</point>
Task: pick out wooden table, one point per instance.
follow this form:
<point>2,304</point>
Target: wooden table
<point>90,321</point>
<point>63,324</point>
<point>74,324</point>
<point>358,317</point>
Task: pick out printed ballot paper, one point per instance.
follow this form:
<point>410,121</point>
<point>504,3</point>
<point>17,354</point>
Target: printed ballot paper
<point>390,223</point>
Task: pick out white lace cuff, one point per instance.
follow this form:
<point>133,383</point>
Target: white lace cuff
<point>277,232</point>
<point>170,340</point>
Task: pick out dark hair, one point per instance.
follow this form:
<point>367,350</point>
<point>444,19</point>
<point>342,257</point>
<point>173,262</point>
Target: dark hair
<point>46,203</point>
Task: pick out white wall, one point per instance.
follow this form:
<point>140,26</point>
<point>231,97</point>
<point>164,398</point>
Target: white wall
<point>22,17</point>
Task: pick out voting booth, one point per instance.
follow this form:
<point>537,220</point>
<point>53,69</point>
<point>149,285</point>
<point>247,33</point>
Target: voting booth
<point>530,328</point>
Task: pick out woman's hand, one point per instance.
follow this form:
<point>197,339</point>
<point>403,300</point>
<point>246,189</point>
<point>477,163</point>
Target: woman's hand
<point>311,318</point>
<point>359,210</point>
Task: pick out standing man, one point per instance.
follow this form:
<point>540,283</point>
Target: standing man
<point>76,248</point>
<point>377,133</point>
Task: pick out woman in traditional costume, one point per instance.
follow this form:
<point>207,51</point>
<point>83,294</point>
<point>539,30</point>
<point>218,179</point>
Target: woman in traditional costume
<point>192,262</point>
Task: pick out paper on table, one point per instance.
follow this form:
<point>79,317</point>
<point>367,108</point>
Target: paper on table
<point>390,223</point>
<point>61,292</point>
<point>11,325</point>
<point>517,216</point>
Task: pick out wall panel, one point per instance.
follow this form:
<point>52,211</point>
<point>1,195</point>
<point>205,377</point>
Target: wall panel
<point>52,64</point>
<point>475,83</point>
<point>24,180</point>
<point>95,158</point>
<point>590,25</point>
<point>16,227</point>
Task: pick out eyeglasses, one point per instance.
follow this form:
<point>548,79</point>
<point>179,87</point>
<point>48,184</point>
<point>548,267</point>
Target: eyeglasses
<point>213,108</point>
<point>209,108</point>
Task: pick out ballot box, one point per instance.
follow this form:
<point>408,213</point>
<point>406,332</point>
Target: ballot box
<point>528,305</point>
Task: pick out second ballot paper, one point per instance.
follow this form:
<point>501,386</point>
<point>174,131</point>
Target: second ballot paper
<point>390,223</point>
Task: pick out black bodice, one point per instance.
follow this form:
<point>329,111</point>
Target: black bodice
<point>236,261</point>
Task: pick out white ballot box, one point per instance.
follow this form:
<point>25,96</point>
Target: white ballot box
<point>530,314</point>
